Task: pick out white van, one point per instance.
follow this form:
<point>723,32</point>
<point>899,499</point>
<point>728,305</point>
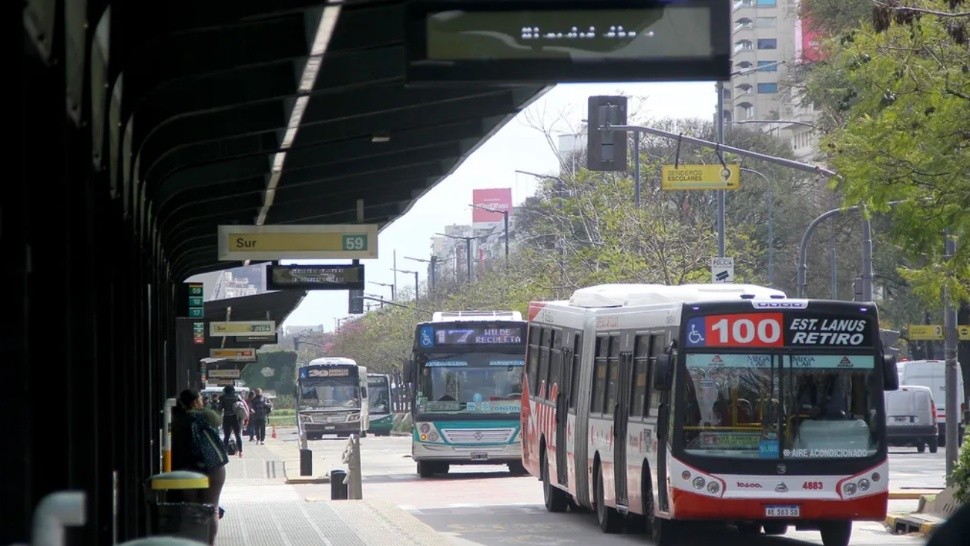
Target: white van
<point>911,418</point>
<point>932,374</point>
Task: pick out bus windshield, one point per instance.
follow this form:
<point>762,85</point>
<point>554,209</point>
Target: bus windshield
<point>791,406</point>
<point>379,397</point>
<point>470,383</point>
<point>335,393</point>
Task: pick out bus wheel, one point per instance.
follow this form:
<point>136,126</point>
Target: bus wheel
<point>665,532</point>
<point>920,446</point>
<point>425,469</point>
<point>553,497</point>
<point>608,518</point>
<point>934,444</point>
<point>836,533</point>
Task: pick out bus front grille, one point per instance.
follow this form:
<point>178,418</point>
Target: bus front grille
<point>478,435</point>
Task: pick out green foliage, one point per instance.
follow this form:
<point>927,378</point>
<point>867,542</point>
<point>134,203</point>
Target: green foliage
<point>961,474</point>
<point>898,105</point>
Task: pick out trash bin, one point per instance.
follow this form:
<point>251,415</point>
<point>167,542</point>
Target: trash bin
<point>184,519</point>
<point>179,519</point>
<point>338,489</point>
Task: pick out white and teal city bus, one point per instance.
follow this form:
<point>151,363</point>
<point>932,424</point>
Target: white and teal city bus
<point>379,396</point>
<point>331,398</point>
<point>466,372</point>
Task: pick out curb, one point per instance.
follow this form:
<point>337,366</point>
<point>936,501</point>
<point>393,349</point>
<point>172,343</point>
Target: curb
<point>914,494</point>
<point>902,524</point>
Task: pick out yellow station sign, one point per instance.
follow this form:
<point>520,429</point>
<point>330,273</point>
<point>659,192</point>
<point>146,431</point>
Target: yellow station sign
<point>701,177</point>
<point>281,242</point>
<point>242,328</point>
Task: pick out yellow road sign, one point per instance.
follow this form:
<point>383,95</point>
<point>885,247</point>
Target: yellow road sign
<point>700,177</point>
<point>934,332</point>
<point>931,332</point>
<point>280,242</point>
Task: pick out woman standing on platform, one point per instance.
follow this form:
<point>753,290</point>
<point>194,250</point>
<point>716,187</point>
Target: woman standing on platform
<point>186,455</point>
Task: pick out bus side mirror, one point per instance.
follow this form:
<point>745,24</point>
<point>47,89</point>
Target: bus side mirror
<point>664,373</point>
<point>363,392</point>
<point>890,375</point>
<point>409,371</point>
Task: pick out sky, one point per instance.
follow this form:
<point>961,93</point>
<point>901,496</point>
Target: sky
<point>516,146</point>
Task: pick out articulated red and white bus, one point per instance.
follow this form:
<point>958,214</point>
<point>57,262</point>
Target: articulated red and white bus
<point>659,405</point>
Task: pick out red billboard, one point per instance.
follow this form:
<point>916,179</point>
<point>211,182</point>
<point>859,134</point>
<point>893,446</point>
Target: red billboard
<point>487,200</point>
<point>810,43</point>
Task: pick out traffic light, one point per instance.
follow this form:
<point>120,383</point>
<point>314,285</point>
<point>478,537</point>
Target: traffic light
<point>355,302</point>
<point>605,150</point>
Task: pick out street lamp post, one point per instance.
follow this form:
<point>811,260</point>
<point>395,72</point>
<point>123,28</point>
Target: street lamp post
<point>338,321</point>
<point>468,250</point>
<point>432,274</point>
<point>393,288</point>
<point>505,221</point>
<point>415,281</point>
<point>720,140</point>
<point>771,222</point>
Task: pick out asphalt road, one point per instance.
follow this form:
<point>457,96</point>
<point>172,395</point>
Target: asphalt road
<point>486,505</point>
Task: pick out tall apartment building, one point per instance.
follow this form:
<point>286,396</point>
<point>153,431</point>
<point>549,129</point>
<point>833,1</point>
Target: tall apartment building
<point>769,38</point>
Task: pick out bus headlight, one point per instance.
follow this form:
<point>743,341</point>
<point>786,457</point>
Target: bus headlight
<point>698,483</point>
<point>849,488</point>
<point>713,488</point>
<point>863,485</point>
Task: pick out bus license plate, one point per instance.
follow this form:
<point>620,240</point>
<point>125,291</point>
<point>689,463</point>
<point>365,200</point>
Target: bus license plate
<point>329,427</point>
<point>782,511</point>
<point>479,455</point>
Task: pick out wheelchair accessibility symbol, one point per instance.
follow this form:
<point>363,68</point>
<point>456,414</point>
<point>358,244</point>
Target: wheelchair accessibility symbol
<point>695,335</point>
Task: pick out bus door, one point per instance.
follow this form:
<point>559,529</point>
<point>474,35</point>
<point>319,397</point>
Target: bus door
<point>621,416</point>
<point>562,414</point>
<point>665,413</point>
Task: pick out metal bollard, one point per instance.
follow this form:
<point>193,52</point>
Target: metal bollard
<point>352,458</point>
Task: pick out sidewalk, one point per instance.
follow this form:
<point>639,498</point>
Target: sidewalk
<point>265,505</point>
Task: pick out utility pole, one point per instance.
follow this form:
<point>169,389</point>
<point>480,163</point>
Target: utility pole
<point>953,414</point>
<point>720,193</point>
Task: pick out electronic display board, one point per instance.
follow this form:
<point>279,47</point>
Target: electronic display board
<point>315,277</point>
<point>568,41</point>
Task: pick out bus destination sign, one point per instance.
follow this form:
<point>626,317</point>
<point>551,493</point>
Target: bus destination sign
<point>324,372</point>
<point>778,330</point>
<point>478,334</point>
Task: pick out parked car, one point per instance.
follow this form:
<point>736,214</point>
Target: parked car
<point>911,418</point>
<point>932,374</point>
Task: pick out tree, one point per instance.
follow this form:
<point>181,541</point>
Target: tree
<point>894,94</point>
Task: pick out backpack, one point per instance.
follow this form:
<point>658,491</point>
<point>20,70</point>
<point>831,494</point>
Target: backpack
<point>207,447</point>
<point>241,410</point>
<point>231,448</point>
